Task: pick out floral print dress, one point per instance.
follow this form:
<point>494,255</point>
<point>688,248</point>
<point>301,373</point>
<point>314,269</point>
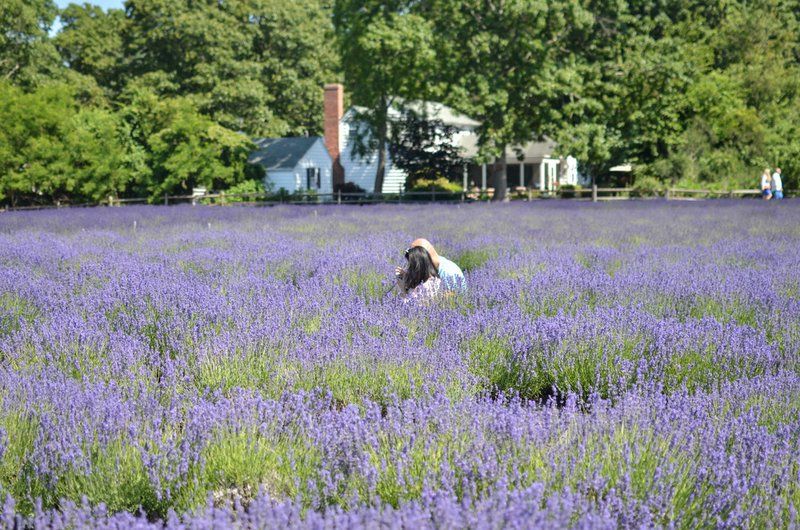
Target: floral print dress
<point>426,291</point>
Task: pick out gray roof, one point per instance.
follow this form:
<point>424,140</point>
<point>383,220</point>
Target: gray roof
<point>428,109</point>
<point>532,152</point>
<point>447,115</point>
<point>281,153</point>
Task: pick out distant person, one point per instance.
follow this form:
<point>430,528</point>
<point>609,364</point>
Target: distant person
<point>777,184</point>
<point>419,279</point>
<point>766,185</point>
<point>449,272</point>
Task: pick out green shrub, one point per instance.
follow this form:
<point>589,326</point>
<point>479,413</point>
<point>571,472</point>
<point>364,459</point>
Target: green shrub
<point>568,191</point>
<point>646,186</point>
<point>246,187</point>
<point>441,184</point>
<point>349,187</point>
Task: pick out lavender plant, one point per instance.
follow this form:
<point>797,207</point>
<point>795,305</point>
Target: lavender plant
<point>610,366</point>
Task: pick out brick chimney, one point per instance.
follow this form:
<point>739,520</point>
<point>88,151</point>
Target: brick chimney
<point>333,110</point>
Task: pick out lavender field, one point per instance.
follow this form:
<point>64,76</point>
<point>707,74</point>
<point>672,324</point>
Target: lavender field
<point>610,366</point>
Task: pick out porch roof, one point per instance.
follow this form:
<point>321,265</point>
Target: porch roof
<point>530,153</point>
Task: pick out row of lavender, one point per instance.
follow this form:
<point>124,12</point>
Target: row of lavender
<point>609,366</point>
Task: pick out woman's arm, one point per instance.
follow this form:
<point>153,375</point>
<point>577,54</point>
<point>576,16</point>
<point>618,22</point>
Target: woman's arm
<point>400,274</point>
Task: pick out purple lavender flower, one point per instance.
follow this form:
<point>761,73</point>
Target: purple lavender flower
<point>611,366</point>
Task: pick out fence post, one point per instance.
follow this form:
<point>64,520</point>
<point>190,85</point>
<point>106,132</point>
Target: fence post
<point>594,192</point>
<point>339,197</point>
<point>166,199</point>
<point>433,199</point>
<point>668,194</point>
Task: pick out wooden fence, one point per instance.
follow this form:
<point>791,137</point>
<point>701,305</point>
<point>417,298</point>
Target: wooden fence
<point>593,194</point>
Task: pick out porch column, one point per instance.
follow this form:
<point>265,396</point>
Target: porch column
<point>483,177</point>
<point>542,175</point>
<point>522,175</point>
<point>465,177</point>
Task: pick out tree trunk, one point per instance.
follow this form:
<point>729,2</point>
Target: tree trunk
<point>381,169</point>
<point>383,128</point>
<point>500,177</point>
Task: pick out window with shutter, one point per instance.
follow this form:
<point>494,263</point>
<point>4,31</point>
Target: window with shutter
<point>313,178</point>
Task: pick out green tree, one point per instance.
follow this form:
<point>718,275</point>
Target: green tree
<point>252,65</point>
<point>592,144</point>
<point>635,62</point>
<point>27,56</point>
<point>184,148</point>
<point>91,42</point>
<point>53,149</point>
<point>294,46</point>
<point>424,148</point>
<point>507,64</point>
<point>387,57</point>
<point>103,161</point>
<point>29,127</point>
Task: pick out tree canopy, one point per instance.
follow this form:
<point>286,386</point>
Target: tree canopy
<point>423,147</point>
<point>156,98</point>
<point>387,57</point>
<point>164,95</point>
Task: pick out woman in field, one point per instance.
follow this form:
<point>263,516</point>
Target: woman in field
<point>419,280</point>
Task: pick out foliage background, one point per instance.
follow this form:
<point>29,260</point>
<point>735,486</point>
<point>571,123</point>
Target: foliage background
<point>164,95</point>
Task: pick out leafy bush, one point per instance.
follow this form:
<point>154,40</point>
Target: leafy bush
<point>424,148</point>
<point>440,184</point>
<point>349,187</point>
<point>243,188</point>
<point>568,191</point>
<point>647,187</point>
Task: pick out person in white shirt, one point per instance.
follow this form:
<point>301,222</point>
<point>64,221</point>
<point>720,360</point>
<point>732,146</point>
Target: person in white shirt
<point>777,184</point>
<point>419,281</point>
<point>451,275</point>
<point>766,185</point>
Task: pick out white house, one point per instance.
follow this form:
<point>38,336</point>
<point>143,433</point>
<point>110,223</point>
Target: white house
<point>531,166</point>
<point>361,171</point>
<point>294,164</point>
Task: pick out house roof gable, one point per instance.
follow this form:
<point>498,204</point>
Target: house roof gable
<point>429,109</point>
<point>281,153</point>
<point>467,142</point>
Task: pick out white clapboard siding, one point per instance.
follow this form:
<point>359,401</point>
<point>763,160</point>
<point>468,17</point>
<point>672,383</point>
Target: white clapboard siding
<point>275,180</point>
<point>295,179</point>
<point>316,156</point>
<point>361,171</point>
<point>395,179</point>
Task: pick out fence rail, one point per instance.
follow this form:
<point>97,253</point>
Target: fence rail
<point>594,194</point>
